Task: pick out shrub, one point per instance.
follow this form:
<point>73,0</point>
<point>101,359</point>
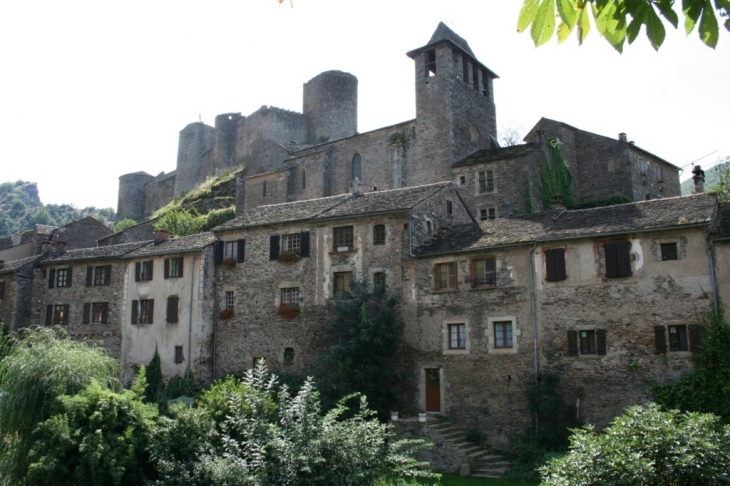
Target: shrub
<point>123,224</point>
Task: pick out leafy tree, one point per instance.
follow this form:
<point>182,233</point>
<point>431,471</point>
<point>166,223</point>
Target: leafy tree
<point>180,222</point>
<point>40,366</point>
<point>366,330</point>
<point>155,389</point>
<point>619,21</point>
<point>123,224</point>
<point>722,187</point>
<point>646,446</point>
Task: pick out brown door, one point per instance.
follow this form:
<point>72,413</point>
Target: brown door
<point>433,390</point>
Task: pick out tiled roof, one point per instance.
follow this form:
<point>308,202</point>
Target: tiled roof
<point>334,207</point>
<point>442,33</point>
<point>490,155</point>
<point>18,264</point>
<point>721,229</point>
<point>183,244</point>
<point>100,253</point>
<point>553,225</point>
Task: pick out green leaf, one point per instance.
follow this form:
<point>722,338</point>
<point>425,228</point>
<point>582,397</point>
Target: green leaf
<point>667,11</point>
<point>692,10</point>
<point>544,24</point>
<point>709,30</point>
<point>584,25</point>
<point>633,29</point>
<point>654,28</point>
<point>563,32</point>
<point>527,14</point>
<point>568,13</point>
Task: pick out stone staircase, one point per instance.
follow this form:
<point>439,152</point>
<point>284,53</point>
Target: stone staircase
<point>483,463</point>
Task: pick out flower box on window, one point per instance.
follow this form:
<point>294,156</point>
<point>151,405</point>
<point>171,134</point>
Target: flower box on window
<point>288,311</point>
<point>225,314</point>
<point>229,262</point>
<point>289,256</point>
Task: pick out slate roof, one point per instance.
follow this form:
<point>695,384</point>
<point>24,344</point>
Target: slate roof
<point>18,264</point>
<point>100,253</point>
<point>25,237</point>
<point>491,155</point>
<point>341,206</point>
<point>183,244</point>
<point>656,214</point>
<point>721,229</point>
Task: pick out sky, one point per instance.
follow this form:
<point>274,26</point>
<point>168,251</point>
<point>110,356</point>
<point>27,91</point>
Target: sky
<point>92,90</point>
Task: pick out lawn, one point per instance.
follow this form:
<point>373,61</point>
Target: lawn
<point>453,480</point>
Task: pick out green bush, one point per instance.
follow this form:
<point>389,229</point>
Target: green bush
<point>646,446</point>
<point>123,224</point>
<point>180,222</point>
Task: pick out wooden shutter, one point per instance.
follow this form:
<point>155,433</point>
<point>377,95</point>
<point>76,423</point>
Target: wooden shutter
<point>172,317</point>
<point>660,340</point>
<point>137,271</point>
<point>180,261</point>
<point>694,337</point>
<point>65,314</point>
<point>601,341</point>
<point>69,273</point>
<point>219,251</point>
<point>304,244</point>
<point>572,343</point>
<point>623,258</point>
<point>151,311</point>
<point>87,313</point>
<point>152,268</point>
<point>49,315</point>
<point>107,275</point>
<point>609,252</point>
<point>167,268</point>
<point>104,312</point>
<point>2,290</point>
<point>135,311</point>
<point>89,276</point>
<point>556,260</point>
<point>241,251</point>
<point>51,278</point>
<point>274,247</point>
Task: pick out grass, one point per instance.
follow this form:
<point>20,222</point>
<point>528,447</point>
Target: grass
<point>454,480</point>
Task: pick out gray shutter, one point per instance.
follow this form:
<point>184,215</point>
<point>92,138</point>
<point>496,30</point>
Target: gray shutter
<point>274,247</point>
<point>572,343</point>
<point>172,304</point>
<point>623,258</point>
<point>601,341</point>
<point>107,275</point>
<point>609,252</point>
<point>137,271</point>
<point>660,340</point>
<point>105,312</point>
<point>694,337</point>
<point>559,259</point>
<point>135,311</point>
<point>241,251</point>
<point>49,315</point>
<point>550,263</point>
<point>152,268</point>
<point>180,260</point>
<point>89,276</point>
<point>65,314</point>
<point>219,251</point>
<point>151,319</point>
<point>51,278</point>
<point>70,274</point>
<point>304,244</point>
<point>167,268</point>
<point>87,313</point>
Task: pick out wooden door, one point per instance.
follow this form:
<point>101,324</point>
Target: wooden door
<point>433,390</point>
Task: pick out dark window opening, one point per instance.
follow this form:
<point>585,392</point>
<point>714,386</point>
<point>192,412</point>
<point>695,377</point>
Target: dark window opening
<point>485,84</point>
<point>669,251</point>
<point>555,263</point>
<point>618,259</point>
<point>462,180</point>
<point>678,338</point>
<point>445,276</point>
<point>304,179</point>
<point>63,277</point>
<point>587,342</point>
<point>431,63</point>
<point>179,358</point>
<point>465,69</point>
<point>503,334</point>
<point>379,280</point>
<point>357,167</point>
<point>60,314</point>
<point>484,272</point>
<point>659,176</point>
<point>288,356</point>
<point>379,234</point>
<point>487,213</point>
<point>475,78</point>
<point>343,237</point>
<point>342,282</point>
<point>449,207</point>
<point>264,189</point>
<point>230,299</point>
<point>429,228</point>
<point>457,336</point>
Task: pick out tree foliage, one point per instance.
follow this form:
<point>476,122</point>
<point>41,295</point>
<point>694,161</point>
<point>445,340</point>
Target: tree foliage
<point>366,331</point>
<point>722,186</point>
<point>123,224</point>
<point>619,21</point>
<point>646,446</point>
<point>555,176</point>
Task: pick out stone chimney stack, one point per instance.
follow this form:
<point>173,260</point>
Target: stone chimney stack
<point>699,178</point>
<point>356,187</point>
<point>622,137</point>
<point>160,237</point>
<point>558,202</point>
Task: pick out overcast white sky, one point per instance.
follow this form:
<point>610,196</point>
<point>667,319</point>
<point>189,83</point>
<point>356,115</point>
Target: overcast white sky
<point>92,90</point>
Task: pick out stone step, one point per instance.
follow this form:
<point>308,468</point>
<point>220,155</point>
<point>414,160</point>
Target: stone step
<point>496,464</point>
<point>440,425</point>
<point>470,450</point>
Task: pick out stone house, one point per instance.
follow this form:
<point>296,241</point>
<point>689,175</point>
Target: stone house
<point>167,305</point>
<point>16,280</point>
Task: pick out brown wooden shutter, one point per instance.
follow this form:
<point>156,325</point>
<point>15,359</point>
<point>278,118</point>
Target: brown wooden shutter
<point>572,343</point>
<point>660,340</point>
<point>69,273</point>
<point>559,263</point>
<point>304,244</point>
<point>2,290</point>
<point>623,258</point>
<point>49,315</point>
<point>107,275</point>
<point>180,262</point>
<point>135,311</point>
<point>137,271</point>
<point>151,312</point>
<point>601,341</point>
<point>219,251</point>
<point>51,278</point>
<point>105,312</point>
<point>172,317</point>
<point>167,268</point>
<point>152,268</point>
<point>89,276</point>
<point>609,252</point>
<point>241,251</point>
<point>550,263</point>
<point>65,314</point>
<point>694,337</point>
<point>87,313</point>
<point>274,247</point>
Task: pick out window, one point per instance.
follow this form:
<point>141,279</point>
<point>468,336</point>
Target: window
<point>484,272</point>
<point>449,207</point>
<point>485,84</point>
<point>379,234</point>
<point>288,356</point>
<point>179,358</point>
<point>259,361</point>
<point>343,237</point>
<point>143,311</point>
<point>379,280</point>
<point>431,63</point>
<point>613,166</point>
<point>173,267</point>
<point>290,296</point>
<point>487,213</point>
<point>143,271</point>
<point>462,180</point>
<point>96,276</point>
<point>678,338</point>
<point>642,165</point>
<point>263,190</point>
<point>342,282</point>
<point>291,243</point>
<point>587,342</point>
<point>682,337</point>
<point>555,264</point>
<point>429,228</point>
<point>357,167</point>
<point>618,259</point>
<point>173,302</point>
<point>486,181</point>
<point>503,334</point>
<point>445,276</point>
<point>592,342</point>
<point>669,251</point>
<point>63,277</point>
<point>231,250</point>
<point>658,173</point>
<point>57,314</point>
<point>230,299</point>
<point>475,78</point>
<point>97,312</point>
<point>457,336</point>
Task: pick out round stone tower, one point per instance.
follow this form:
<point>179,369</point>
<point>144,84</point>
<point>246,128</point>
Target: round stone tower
<point>330,106</point>
<point>132,195</point>
<point>226,130</point>
<point>194,156</point>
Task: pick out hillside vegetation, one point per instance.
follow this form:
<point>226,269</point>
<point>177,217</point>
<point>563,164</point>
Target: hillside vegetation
<point>21,208</point>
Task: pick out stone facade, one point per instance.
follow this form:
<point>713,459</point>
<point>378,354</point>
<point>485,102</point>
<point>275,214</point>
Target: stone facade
<point>16,281</point>
<point>139,232</point>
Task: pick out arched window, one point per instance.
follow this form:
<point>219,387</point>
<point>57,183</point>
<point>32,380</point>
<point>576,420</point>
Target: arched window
<point>357,167</point>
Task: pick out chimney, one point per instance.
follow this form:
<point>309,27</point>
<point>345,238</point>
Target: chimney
<point>622,137</point>
<point>699,178</point>
<point>558,202</point>
<point>160,236</point>
<point>356,187</point>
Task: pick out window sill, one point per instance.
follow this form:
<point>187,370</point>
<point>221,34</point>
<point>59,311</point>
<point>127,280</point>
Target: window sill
<point>679,354</point>
<point>340,252</point>
<point>512,350</point>
<point>444,291</point>
<point>448,352</point>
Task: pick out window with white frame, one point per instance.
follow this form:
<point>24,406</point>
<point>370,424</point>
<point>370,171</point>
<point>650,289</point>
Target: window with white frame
<point>230,252</point>
<point>456,336</point>
<point>290,296</point>
<point>502,335</point>
<point>291,243</point>
<point>487,213</point>
<point>230,299</point>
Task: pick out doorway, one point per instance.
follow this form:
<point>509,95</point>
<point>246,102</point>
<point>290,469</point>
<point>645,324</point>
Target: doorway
<point>433,389</point>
